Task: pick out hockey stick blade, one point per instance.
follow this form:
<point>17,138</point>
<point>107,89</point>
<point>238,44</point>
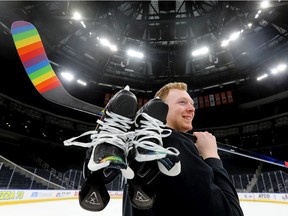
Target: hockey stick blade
<point>39,70</point>
<point>246,153</point>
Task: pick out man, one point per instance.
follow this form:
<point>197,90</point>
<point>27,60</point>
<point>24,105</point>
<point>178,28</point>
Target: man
<point>201,188</point>
<point>167,173</point>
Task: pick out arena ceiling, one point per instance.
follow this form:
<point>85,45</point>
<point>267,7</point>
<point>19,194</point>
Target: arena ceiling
<point>166,32</point>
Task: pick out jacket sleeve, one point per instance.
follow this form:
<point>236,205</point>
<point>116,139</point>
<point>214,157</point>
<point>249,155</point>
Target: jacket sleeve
<point>221,179</point>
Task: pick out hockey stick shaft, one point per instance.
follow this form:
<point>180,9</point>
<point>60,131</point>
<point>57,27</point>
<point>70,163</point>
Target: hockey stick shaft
<point>248,154</point>
<point>39,70</point>
<point>251,155</point>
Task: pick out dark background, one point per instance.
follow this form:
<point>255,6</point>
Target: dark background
<point>166,32</point>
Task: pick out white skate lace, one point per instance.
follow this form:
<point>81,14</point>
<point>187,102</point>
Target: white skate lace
<point>112,131</point>
<point>152,129</point>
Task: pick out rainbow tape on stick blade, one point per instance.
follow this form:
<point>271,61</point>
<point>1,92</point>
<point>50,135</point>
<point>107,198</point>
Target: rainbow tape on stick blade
<point>32,54</point>
<point>39,70</point>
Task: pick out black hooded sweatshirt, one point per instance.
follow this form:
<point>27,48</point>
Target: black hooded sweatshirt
<point>203,187</point>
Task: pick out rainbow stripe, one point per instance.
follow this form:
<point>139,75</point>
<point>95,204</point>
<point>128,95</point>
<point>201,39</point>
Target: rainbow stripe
<point>33,56</point>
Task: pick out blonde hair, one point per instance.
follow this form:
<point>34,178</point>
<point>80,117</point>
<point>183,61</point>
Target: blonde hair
<point>163,92</point>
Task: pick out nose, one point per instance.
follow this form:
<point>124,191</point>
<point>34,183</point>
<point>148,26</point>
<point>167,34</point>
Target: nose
<point>191,107</point>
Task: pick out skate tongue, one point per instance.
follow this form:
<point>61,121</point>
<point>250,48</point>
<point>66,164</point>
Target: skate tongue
<point>123,103</point>
<point>127,173</point>
<point>157,109</point>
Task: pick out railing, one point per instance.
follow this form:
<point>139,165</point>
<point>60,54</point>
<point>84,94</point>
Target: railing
<point>268,182</point>
<point>13,176</point>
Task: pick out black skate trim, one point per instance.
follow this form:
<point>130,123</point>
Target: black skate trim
<point>93,195</point>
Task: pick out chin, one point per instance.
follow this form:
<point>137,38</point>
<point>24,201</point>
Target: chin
<point>186,129</point>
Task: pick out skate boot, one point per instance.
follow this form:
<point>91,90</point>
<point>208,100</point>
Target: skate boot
<point>108,150</point>
<point>93,195</point>
<point>149,129</point>
<point>109,139</point>
<point>148,157</point>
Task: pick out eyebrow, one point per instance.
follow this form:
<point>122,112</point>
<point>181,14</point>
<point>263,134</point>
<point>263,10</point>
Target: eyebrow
<point>186,99</point>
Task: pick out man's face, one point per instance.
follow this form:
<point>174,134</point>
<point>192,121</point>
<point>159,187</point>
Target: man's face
<point>181,110</point>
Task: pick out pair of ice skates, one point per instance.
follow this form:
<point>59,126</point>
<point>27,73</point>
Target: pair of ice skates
<point>126,141</point>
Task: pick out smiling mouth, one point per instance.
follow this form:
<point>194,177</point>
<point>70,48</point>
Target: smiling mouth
<point>188,118</point>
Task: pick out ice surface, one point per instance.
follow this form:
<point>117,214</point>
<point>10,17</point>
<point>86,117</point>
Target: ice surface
<point>114,208</point>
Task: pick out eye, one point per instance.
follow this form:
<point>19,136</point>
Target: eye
<point>182,102</point>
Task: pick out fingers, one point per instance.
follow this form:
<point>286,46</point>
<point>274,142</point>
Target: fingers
<point>204,135</point>
<point>206,144</point>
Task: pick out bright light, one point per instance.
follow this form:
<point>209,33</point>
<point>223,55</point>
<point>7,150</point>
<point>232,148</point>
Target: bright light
<point>274,71</point>
<point>81,82</point>
<point>67,76</point>
<point>83,24</point>
<point>135,54</point>
<point>225,43</point>
<point>201,51</point>
<point>282,67</point>
<point>76,16</point>
<point>234,36</point>
<point>113,48</point>
<point>279,68</point>
<point>262,77</point>
<point>104,42</point>
<point>264,4</point>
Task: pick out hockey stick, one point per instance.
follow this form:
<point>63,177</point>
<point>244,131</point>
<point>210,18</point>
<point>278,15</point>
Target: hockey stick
<point>34,59</point>
<point>248,154</point>
<point>252,155</point>
<point>39,70</point>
